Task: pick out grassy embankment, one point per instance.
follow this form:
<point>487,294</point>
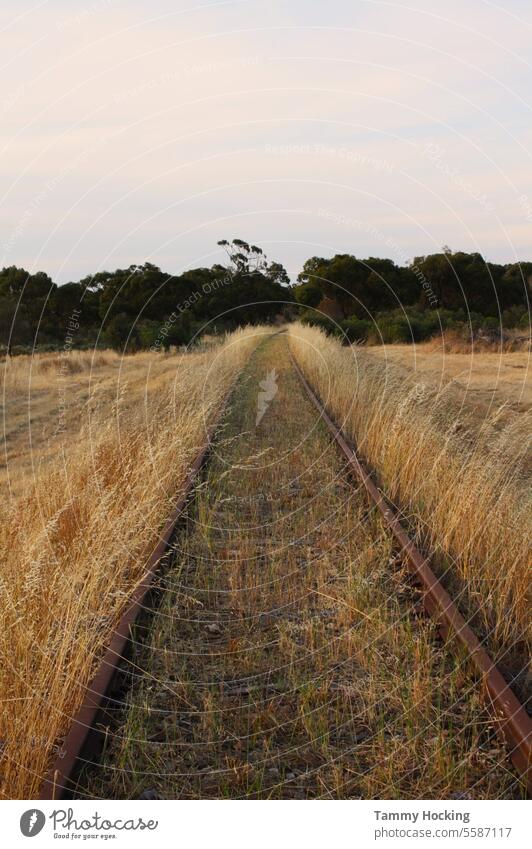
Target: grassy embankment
<point>459,469</point>
<point>73,540</point>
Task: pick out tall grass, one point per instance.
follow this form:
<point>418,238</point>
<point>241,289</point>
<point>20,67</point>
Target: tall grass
<point>36,370</point>
<point>73,548</point>
<point>461,483</point>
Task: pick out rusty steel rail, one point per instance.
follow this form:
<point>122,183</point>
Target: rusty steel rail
<point>511,718</point>
<point>59,778</point>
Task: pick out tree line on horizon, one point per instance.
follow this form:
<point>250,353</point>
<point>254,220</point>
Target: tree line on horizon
<point>379,301</point>
<point>374,299</point>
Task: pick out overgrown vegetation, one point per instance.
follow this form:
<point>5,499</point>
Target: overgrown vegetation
<point>461,480</point>
<point>286,660</point>
<point>75,543</point>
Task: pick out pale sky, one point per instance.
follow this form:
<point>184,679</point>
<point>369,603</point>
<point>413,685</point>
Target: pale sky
<point>137,131</point>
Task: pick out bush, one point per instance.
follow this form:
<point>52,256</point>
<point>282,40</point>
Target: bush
<point>326,324</point>
<point>414,325</point>
<point>396,326</point>
<point>356,329</point>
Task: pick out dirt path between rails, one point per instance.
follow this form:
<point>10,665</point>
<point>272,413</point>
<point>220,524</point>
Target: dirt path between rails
<point>288,658</point>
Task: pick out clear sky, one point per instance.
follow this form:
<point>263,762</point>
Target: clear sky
<point>137,131</point>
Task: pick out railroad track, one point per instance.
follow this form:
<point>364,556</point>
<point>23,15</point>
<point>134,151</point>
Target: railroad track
<point>510,718</point>
<point>83,740</point>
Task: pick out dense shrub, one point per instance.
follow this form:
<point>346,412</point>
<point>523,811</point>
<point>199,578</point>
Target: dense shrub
<point>383,302</point>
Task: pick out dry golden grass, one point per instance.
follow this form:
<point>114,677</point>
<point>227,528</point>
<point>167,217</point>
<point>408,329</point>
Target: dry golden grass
<point>73,544</point>
<point>480,380</point>
<point>287,659</point>
<point>460,477</point>
<point>454,342</point>
<point>51,401</point>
